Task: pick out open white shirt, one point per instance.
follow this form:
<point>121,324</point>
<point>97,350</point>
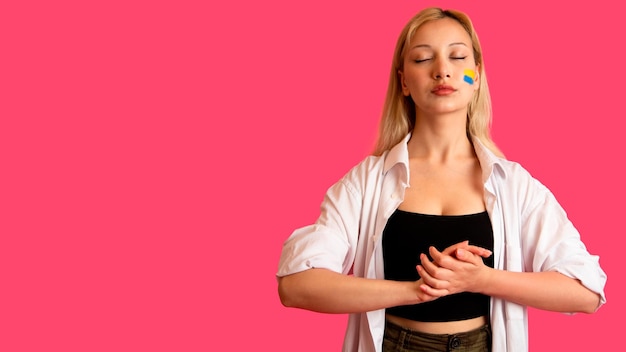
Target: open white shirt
<point>531,233</point>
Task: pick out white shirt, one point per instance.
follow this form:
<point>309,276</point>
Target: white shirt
<point>531,233</point>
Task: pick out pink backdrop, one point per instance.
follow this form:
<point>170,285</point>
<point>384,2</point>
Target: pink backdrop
<point>156,154</point>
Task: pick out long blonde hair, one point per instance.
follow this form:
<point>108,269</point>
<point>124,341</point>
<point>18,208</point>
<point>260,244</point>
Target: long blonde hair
<point>398,118</point>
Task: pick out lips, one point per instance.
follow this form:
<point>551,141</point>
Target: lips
<point>443,90</point>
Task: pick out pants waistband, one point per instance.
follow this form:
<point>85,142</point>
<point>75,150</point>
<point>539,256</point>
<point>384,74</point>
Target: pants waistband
<point>464,341</point>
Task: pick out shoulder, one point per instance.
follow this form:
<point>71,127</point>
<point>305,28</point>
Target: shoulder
<point>369,174</point>
<point>370,164</point>
<point>513,174</point>
<point>517,185</point>
<point>371,167</point>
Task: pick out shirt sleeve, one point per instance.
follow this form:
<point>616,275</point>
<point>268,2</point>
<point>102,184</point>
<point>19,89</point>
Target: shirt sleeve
<point>552,243</point>
<point>330,242</point>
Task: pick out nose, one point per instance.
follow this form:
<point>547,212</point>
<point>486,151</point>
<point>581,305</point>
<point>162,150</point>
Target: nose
<point>441,70</point>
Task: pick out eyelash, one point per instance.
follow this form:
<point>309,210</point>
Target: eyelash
<point>453,58</point>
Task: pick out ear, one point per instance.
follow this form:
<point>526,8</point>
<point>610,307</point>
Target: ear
<point>405,88</point>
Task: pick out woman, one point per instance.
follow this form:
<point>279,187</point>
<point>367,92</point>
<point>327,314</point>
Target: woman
<point>436,242</point>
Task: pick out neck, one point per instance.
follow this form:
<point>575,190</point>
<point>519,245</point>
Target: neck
<point>440,139</point>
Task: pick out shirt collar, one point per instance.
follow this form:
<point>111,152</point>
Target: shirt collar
<point>487,159</point>
<point>399,154</point>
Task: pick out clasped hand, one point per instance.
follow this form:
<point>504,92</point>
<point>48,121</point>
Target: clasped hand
<point>459,268</point>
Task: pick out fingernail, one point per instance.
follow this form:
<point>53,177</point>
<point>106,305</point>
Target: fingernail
<point>459,252</point>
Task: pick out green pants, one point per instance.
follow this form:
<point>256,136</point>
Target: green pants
<point>399,339</point>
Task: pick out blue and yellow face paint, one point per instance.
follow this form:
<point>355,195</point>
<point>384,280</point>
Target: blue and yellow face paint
<point>469,76</point>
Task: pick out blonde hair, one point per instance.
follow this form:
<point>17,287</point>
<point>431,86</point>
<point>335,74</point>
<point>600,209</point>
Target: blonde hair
<point>398,118</point>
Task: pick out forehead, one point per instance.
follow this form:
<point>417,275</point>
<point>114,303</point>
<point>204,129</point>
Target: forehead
<point>440,32</point>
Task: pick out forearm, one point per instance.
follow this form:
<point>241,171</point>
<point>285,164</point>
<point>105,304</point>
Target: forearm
<point>551,291</point>
<point>325,291</point>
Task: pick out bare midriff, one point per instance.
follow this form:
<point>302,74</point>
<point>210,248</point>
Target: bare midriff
<point>447,327</point>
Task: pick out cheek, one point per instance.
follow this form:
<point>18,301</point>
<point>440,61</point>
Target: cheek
<point>469,76</point>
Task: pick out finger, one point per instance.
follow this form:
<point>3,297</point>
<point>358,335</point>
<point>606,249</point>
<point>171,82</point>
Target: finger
<point>483,252</point>
<point>467,256</point>
<point>450,250</point>
<point>435,276</point>
<point>431,280</point>
<point>433,269</point>
<point>433,292</point>
<point>443,260</point>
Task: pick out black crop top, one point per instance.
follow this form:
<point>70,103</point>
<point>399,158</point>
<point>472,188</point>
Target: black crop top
<point>409,234</point>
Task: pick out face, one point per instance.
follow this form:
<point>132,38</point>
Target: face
<point>438,69</point>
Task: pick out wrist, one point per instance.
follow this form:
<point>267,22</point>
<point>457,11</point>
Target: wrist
<point>416,291</point>
<point>485,281</point>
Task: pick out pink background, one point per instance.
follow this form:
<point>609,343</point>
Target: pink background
<point>154,156</point>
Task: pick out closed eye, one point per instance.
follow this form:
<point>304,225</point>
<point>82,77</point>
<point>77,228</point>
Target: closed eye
<point>459,57</point>
<point>421,60</point>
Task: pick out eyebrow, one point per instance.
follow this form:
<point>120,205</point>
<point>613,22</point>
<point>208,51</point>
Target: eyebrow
<point>428,46</point>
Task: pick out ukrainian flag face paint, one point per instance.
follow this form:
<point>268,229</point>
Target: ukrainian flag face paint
<point>469,76</point>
